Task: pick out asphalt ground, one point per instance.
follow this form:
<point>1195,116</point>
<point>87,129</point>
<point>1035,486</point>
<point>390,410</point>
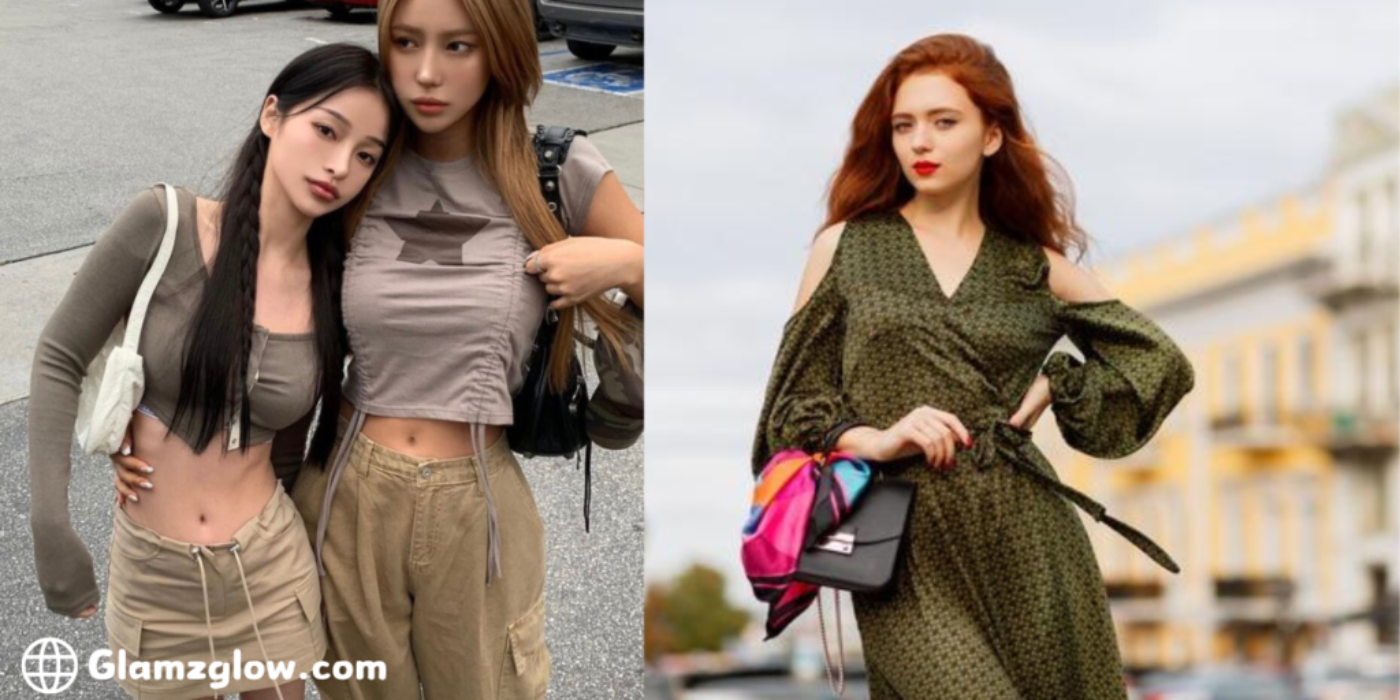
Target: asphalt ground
<point>105,97</point>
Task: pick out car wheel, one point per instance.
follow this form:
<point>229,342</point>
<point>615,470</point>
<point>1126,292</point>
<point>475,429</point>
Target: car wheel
<point>167,6</point>
<point>590,51</point>
<point>339,12</point>
<point>218,8</point>
<point>542,32</point>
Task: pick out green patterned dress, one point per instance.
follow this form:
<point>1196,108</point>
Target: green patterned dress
<point>998,595</point>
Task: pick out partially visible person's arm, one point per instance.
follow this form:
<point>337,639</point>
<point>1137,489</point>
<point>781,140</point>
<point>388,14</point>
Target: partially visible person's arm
<point>99,297</point>
<point>605,245</point>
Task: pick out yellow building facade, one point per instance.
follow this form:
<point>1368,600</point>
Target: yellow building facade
<point>1274,484</point>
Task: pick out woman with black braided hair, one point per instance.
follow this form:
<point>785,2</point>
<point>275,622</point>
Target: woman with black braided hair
<point>242,338</point>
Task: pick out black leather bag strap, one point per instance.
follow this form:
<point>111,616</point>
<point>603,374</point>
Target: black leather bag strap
<point>552,149</point>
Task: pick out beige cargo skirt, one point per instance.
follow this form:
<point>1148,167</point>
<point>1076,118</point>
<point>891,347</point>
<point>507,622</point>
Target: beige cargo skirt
<point>257,595</point>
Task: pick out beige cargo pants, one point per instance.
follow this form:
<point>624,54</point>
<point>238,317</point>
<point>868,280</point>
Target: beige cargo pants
<point>405,584</point>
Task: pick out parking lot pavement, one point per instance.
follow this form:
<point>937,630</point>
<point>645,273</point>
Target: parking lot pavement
<point>113,97</point>
<point>106,96</point>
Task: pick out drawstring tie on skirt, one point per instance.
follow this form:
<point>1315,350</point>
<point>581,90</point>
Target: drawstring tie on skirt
<point>198,554</point>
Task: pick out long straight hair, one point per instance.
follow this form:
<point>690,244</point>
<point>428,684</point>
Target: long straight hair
<point>503,145</point>
<point>1018,195</point>
<point>214,376</point>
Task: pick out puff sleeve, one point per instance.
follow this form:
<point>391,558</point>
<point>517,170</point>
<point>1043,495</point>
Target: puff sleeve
<point>805,398</point>
<point>1132,376</point>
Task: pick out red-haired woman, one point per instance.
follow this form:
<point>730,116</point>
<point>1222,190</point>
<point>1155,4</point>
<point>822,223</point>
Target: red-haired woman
<point>919,343</point>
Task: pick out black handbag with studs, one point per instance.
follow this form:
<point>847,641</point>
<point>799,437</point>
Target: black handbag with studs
<point>547,422</point>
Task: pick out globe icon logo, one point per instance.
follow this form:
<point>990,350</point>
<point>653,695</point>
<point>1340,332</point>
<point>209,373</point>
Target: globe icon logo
<point>50,666</point>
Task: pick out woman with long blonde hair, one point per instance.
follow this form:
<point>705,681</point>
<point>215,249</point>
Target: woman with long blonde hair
<point>426,532</point>
<point>919,344</point>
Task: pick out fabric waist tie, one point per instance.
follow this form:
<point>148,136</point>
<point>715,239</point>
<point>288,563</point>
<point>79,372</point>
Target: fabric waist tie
<point>493,537</point>
<point>1013,443</point>
<point>342,458</point>
<point>208,619</point>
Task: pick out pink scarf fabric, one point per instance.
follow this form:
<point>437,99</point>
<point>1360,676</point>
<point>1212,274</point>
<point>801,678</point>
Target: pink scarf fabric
<point>786,516</point>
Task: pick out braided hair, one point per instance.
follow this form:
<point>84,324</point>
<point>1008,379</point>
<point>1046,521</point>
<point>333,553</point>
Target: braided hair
<point>214,374</point>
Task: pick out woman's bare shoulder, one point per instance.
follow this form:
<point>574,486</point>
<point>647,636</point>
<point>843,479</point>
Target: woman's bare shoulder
<point>819,261</point>
<point>1071,282</point>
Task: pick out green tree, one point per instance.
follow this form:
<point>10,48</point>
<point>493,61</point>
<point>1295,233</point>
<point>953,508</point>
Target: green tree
<point>656,629</point>
<point>691,614</point>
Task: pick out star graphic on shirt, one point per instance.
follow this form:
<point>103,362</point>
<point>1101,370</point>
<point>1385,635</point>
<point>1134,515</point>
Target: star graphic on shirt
<point>435,235</point>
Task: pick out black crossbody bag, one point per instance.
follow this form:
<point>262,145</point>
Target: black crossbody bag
<point>861,555</point>
<point>547,422</point>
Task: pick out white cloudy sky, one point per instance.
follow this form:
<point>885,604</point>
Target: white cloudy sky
<point>1165,114</point>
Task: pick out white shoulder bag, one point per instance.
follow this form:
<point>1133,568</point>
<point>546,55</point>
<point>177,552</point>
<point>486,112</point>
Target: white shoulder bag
<point>115,379</point>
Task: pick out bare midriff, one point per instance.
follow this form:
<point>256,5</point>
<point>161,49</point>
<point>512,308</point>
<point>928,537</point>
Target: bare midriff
<point>421,437</point>
<point>198,498</point>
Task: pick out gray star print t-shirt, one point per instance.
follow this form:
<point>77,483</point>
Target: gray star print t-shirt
<point>440,311</point>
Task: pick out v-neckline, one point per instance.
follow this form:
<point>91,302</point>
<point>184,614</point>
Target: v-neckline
<point>928,264</point>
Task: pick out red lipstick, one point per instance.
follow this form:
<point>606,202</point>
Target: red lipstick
<point>925,168</point>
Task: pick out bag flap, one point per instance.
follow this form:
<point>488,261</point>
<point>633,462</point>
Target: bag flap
<point>882,511</point>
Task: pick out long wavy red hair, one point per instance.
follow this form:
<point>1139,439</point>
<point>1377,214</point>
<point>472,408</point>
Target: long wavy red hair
<point>1018,195</point>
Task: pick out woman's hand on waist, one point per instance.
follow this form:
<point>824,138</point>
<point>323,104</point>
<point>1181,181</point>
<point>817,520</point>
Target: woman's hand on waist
<point>132,473</point>
<point>934,433</point>
<point>583,267</point>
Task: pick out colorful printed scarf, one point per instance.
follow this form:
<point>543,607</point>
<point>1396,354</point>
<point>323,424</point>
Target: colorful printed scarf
<point>795,502</point>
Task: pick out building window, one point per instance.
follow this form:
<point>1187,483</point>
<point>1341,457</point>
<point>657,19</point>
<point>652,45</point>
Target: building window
<point>1370,499</point>
<point>1230,383</point>
<point>1307,374</point>
<point>1272,522</point>
<point>1268,385</point>
<point>1310,529</point>
<point>1392,362</point>
<point>1385,514</point>
<point>1363,231</point>
<point>1383,606</point>
<point>1232,524</point>
<point>1393,235</point>
<point>1364,378</point>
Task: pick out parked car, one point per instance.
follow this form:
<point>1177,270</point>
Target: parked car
<point>1218,683</point>
<point>211,8</point>
<point>1352,684</point>
<point>341,9</point>
<point>593,29</point>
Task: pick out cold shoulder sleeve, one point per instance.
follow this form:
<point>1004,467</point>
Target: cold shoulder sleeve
<point>101,295</point>
<point>805,398</point>
<point>1132,376</point>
